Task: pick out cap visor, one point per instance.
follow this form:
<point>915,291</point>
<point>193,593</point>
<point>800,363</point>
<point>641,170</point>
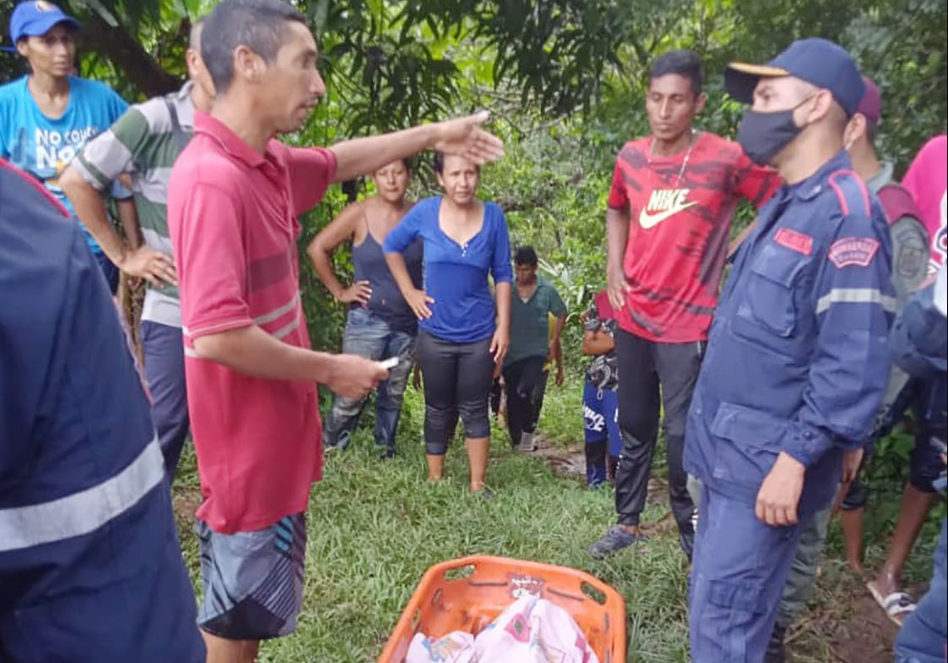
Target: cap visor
<point>741,78</point>
<point>41,27</point>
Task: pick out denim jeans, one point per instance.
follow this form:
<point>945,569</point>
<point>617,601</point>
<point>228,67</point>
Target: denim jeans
<point>367,335</point>
<point>923,635</point>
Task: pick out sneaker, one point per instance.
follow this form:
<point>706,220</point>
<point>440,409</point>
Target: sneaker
<point>614,540</point>
<point>526,442</point>
<point>776,648</point>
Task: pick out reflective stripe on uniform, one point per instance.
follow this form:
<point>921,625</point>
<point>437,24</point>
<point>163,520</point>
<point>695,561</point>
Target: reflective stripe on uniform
<point>85,511</point>
<point>855,296</point>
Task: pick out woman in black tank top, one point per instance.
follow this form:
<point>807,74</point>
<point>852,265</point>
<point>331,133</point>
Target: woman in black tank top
<point>380,324</point>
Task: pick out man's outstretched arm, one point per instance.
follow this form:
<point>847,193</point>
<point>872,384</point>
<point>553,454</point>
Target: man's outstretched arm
<point>462,136</point>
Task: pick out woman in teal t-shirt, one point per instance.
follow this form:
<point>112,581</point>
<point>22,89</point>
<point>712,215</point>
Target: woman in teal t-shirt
<point>47,116</point>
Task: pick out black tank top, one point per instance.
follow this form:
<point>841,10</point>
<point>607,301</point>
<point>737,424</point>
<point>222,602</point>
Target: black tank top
<point>387,301</point>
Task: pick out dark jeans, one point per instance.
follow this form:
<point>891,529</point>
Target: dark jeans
<point>109,270</point>
<point>163,350</point>
<point>649,371</point>
<point>526,384</point>
<point>457,380</point>
<point>368,335</point>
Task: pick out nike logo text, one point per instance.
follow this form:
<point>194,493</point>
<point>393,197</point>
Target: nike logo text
<point>662,204</point>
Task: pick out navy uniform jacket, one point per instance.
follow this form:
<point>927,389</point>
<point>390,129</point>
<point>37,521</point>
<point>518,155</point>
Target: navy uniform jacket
<point>90,565</point>
<point>797,357</point>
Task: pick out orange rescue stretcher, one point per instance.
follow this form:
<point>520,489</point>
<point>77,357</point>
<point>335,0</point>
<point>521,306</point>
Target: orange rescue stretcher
<point>467,594</point>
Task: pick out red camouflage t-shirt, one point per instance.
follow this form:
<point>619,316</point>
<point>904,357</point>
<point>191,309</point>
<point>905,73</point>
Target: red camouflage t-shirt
<point>232,213</point>
<point>678,231</point>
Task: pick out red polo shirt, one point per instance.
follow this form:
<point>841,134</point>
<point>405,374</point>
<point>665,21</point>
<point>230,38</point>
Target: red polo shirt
<point>232,213</point>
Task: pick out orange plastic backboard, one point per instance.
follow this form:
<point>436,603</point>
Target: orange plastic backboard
<point>467,594</point>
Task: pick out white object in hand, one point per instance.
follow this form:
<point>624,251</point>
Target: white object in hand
<point>389,363</point>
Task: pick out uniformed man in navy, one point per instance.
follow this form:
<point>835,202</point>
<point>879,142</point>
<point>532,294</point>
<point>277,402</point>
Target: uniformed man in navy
<point>797,359</point>
<point>90,565</point>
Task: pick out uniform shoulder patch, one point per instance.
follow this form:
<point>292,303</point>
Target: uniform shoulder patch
<point>851,192</point>
<point>794,240</point>
<point>853,251</point>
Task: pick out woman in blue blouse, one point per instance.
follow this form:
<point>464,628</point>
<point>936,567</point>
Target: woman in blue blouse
<point>463,335</point>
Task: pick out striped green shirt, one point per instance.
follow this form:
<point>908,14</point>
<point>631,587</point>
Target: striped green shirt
<point>144,144</point>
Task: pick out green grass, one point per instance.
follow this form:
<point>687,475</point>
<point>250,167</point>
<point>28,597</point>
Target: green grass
<point>374,527</point>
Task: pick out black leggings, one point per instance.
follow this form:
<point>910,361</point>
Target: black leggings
<point>458,379</point>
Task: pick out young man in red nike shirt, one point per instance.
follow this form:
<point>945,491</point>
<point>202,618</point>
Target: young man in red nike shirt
<point>673,195</point>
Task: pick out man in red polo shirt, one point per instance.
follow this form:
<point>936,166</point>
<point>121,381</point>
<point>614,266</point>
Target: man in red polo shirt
<point>234,198</point>
<point>670,207</point>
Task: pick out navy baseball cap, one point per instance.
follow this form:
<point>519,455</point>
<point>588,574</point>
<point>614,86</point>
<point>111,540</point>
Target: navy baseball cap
<point>818,61</point>
<point>35,18</point>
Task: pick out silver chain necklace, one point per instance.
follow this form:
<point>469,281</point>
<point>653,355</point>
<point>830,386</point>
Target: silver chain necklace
<point>684,163</point>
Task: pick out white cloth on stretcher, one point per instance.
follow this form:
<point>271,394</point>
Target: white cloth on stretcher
<point>531,630</point>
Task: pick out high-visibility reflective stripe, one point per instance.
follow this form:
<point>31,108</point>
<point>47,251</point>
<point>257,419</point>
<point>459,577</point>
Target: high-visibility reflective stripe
<point>85,511</point>
<point>277,312</point>
<point>855,296</point>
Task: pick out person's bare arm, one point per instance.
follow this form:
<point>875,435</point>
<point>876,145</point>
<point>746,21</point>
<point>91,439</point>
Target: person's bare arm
<point>462,136</point>
<point>142,262</point>
<point>128,217</point>
<point>557,331</point>
<point>417,299</point>
<point>617,236</point>
<point>320,250</point>
<point>501,341</point>
<point>251,351</point>
<point>558,357</point>
<point>597,343</point>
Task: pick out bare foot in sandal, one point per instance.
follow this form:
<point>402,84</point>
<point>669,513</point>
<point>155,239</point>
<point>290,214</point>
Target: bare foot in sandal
<point>897,604</point>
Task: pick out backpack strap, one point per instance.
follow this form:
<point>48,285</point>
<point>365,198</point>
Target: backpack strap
<point>180,135</point>
<point>897,202</point>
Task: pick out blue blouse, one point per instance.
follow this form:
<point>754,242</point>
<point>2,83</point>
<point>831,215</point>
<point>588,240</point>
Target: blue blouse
<point>455,276</point>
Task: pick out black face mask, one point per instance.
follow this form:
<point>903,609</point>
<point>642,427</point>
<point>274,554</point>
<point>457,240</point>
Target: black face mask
<point>763,135</point>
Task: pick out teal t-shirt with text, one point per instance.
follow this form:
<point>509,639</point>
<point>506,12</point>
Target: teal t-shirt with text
<point>42,146</point>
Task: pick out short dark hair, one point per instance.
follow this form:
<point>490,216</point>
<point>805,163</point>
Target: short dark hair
<point>260,25</point>
<point>684,63</point>
<point>438,163</point>
<point>526,255</point>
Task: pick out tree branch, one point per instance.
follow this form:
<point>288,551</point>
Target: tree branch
<point>124,51</point>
